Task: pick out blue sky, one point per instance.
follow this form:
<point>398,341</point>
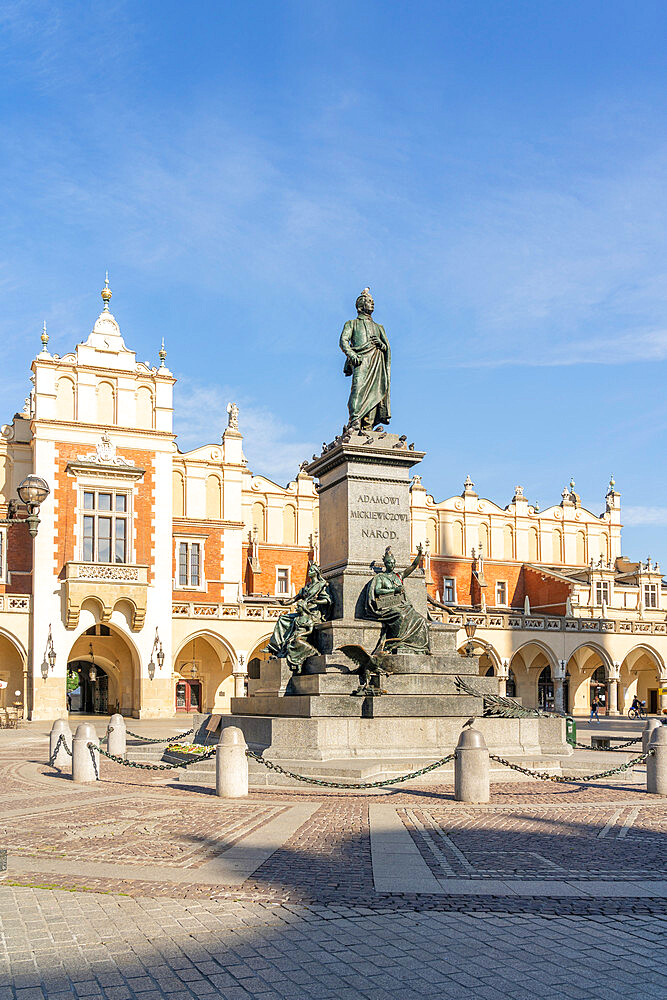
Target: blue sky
<point>496,172</point>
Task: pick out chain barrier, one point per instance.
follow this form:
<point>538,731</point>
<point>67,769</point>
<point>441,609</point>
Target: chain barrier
<point>348,784</point>
<point>621,746</point>
<point>91,749</point>
<point>152,767</point>
<point>562,779</point>
<point>168,739</point>
<point>63,741</point>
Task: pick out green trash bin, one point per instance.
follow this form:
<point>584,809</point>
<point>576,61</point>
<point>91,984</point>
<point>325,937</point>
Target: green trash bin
<point>570,730</point>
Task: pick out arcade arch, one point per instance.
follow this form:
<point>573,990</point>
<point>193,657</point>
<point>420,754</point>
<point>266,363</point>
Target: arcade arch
<point>116,687</point>
<point>12,659</point>
<point>528,665</point>
<point>640,675</point>
<point>581,666</point>
<point>203,669</point>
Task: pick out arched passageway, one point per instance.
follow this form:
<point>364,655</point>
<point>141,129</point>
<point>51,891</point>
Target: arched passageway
<point>203,675</point>
<point>11,674</point>
<point>107,681</point>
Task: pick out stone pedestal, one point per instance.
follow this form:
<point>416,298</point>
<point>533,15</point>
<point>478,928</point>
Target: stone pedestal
<point>364,501</point>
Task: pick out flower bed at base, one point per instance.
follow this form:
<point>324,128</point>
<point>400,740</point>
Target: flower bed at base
<point>187,748</point>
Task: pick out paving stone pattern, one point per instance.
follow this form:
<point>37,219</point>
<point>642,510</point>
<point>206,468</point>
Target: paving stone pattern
<point>309,920</point>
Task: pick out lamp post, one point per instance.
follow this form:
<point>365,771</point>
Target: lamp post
<point>33,491</point>
<point>470,627</point>
<point>50,651</point>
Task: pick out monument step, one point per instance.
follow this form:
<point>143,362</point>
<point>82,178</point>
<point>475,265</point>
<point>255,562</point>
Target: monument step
<point>334,682</point>
<point>346,706</point>
<point>400,663</point>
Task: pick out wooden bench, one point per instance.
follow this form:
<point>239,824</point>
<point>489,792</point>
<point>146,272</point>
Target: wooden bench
<point>605,742</point>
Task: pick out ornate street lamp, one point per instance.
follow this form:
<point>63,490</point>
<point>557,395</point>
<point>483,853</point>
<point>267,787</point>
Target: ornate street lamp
<point>50,651</point>
<point>470,627</point>
<point>157,652</point>
<point>92,671</point>
<point>33,491</point>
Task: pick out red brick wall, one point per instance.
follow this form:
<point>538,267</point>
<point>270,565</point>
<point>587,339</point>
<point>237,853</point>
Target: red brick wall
<point>19,560</point>
<point>520,580</point>
<point>270,557</point>
<point>213,553</point>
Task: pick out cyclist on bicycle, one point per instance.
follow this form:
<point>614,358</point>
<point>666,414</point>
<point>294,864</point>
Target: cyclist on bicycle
<point>636,704</point>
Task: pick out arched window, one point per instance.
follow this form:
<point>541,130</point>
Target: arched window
<point>258,520</point>
<point>144,406</point>
<point>581,556</point>
<point>289,525</point>
<point>179,494</point>
<point>604,546</point>
<point>106,403</point>
<point>432,534</point>
<point>65,399</point>
<point>484,539</point>
<point>533,545</point>
<point>545,691</point>
<point>489,672</point>
<point>557,545</point>
<point>214,498</point>
<point>508,535</point>
<point>457,538</point>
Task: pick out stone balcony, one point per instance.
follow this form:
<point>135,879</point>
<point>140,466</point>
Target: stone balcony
<point>550,623</point>
<point>106,583</point>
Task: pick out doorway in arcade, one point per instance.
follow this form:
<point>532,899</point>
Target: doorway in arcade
<point>102,673</point>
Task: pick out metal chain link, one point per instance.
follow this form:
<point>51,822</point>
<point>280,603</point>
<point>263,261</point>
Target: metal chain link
<point>621,746</point>
<point>168,739</point>
<point>63,741</point>
<point>92,748</point>
<point>152,767</point>
<point>562,779</point>
<point>348,784</point>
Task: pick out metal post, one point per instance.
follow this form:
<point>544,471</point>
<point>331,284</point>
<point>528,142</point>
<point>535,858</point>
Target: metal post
<point>471,768</point>
<point>231,765</point>
<point>656,765</point>
<point>117,736</point>
<point>83,767</point>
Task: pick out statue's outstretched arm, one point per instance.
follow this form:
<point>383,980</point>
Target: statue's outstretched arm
<point>415,562</point>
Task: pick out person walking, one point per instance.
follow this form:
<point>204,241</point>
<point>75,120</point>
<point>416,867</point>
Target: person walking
<point>595,704</point>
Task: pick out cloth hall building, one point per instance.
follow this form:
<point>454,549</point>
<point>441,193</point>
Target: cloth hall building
<point>156,576</point>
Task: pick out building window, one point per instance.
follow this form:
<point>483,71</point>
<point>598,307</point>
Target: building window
<point>105,526</point>
<point>449,590</point>
<point>650,595</point>
<point>602,592</point>
<point>189,568</point>
<point>501,593</point>
<point>3,555</point>
<point>282,580</point>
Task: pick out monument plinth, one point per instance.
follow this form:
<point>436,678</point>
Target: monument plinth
<point>364,501</point>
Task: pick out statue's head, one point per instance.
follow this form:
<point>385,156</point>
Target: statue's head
<point>364,303</point>
<point>389,560</point>
<point>313,571</point>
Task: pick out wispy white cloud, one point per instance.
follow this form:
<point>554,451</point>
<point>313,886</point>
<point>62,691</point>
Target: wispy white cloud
<point>273,448</point>
<point>645,516</point>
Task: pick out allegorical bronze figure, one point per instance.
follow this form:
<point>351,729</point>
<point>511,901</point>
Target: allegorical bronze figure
<point>404,630</point>
<point>368,360</point>
<point>313,605</point>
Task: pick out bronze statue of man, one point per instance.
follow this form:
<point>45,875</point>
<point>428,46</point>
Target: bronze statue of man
<point>368,361</point>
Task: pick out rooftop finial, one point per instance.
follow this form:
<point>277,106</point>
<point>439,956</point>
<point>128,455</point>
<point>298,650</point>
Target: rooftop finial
<point>44,338</point>
<point>612,483</point>
<point>162,354</point>
<point>572,485</point>
<point>106,293</point>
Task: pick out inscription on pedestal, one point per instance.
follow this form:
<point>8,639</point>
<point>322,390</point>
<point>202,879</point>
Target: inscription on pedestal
<point>378,515</point>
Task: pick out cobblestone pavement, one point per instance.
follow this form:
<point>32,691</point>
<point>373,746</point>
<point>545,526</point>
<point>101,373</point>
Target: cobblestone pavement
<point>137,886</point>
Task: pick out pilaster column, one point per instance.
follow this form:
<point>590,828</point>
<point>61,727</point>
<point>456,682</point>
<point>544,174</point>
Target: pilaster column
<point>503,674</point>
<point>558,678</point>
<point>612,689</point>
<point>240,673</point>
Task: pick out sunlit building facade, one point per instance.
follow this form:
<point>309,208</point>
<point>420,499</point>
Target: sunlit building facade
<point>156,575</point>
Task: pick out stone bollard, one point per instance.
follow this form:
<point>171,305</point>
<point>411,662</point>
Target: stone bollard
<point>117,736</point>
<point>60,728</point>
<point>231,765</point>
<point>647,732</point>
<point>471,768</point>
<point>83,769</point>
<point>656,765</point>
